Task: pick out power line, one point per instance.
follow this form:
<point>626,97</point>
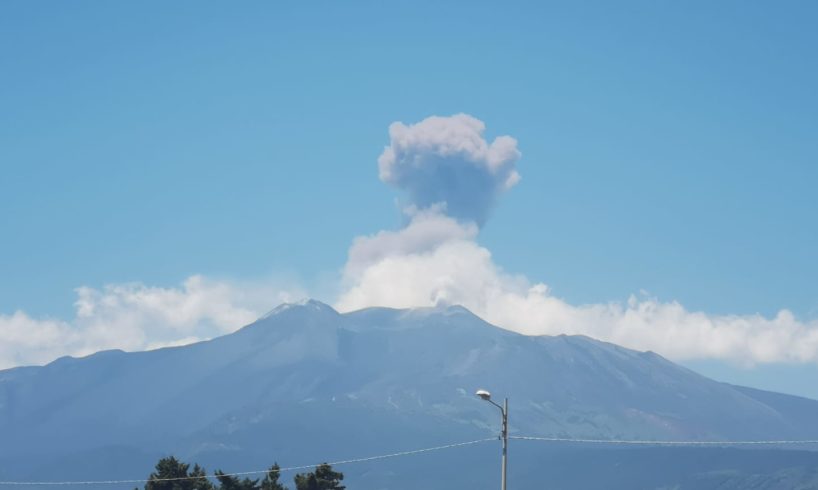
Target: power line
<point>255,472</point>
<point>643,442</point>
<point>662,443</point>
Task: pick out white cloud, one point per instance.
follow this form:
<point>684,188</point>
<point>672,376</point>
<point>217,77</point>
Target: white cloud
<point>447,160</point>
<point>25,340</point>
<point>137,317</point>
<point>456,270</point>
<point>433,260</point>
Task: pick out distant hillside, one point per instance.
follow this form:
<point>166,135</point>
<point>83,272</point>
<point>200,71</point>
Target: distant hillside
<point>307,384</point>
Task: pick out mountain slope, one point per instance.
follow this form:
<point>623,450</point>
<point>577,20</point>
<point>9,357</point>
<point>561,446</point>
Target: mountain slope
<point>305,383</point>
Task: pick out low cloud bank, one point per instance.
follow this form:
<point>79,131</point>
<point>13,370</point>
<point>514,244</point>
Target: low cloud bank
<point>434,260</point>
<point>136,317</point>
<point>456,270</point>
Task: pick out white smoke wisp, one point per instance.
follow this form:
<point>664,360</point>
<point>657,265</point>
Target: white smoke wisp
<point>425,231</point>
<point>447,160</point>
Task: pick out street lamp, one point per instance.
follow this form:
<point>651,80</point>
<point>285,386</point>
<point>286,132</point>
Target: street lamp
<point>485,395</point>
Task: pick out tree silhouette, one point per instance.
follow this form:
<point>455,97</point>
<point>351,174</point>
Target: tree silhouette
<point>270,481</point>
<point>227,482</point>
<point>323,478</point>
<point>172,474</point>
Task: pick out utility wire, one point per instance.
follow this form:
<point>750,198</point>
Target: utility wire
<point>644,442</point>
<point>256,472</point>
<point>662,443</point>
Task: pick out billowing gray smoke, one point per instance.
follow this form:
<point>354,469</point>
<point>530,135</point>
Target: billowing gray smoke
<point>446,160</point>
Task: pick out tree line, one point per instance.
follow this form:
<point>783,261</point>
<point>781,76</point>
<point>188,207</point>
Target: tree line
<point>172,474</point>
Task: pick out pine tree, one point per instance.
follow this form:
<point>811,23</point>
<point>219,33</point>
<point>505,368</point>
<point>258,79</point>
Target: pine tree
<point>270,481</point>
<point>200,482</point>
<point>172,474</point>
<point>323,478</point>
<point>306,481</point>
<point>228,482</point>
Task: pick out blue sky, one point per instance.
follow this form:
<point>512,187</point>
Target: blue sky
<point>666,147</point>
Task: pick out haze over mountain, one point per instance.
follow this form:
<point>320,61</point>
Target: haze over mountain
<point>305,384</point>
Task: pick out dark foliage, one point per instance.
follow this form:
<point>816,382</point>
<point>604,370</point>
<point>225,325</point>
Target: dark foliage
<point>172,474</point>
<point>227,482</point>
<point>323,478</point>
<point>270,481</point>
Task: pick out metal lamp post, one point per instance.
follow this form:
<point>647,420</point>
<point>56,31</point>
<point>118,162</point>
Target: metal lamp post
<point>485,395</point>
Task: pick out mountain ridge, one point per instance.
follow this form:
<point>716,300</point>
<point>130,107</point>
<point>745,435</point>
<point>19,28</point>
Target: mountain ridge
<point>304,372</point>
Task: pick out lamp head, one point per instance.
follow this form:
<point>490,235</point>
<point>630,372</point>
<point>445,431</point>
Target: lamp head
<point>485,395</point>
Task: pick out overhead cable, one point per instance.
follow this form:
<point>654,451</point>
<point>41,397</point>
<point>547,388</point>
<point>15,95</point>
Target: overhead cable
<point>644,442</point>
<point>255,472</point>
<point>648,442</point>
